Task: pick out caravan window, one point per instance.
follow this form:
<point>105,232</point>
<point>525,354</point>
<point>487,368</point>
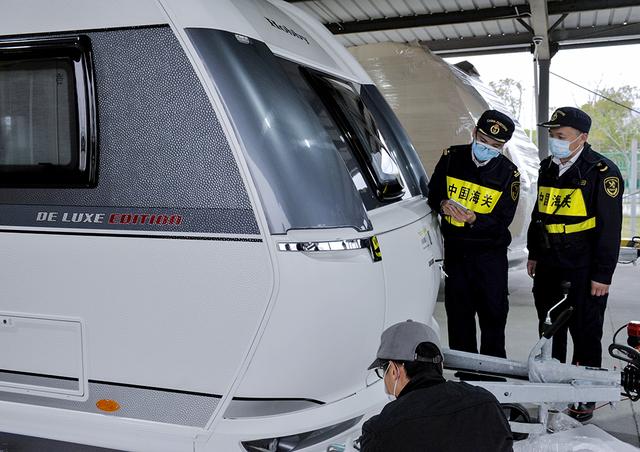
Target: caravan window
<point>398,140</point>
<point>336,135</point>
<point>302,181</point>
<point>365,139</point>
<point>46,112</point>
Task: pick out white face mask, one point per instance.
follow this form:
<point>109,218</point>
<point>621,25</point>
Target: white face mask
<point>560,148</point>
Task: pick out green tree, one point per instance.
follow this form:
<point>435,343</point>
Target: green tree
<point>532,134</point>
<point>613,126</point>
<point>510,93</point>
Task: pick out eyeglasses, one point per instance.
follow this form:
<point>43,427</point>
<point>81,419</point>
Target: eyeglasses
<point>382,369</point>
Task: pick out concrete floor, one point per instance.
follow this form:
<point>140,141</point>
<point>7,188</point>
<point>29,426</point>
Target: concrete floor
<point>623,421</point>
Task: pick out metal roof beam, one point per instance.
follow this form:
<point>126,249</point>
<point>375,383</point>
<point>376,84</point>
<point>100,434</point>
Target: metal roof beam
<point>477,45</point>
<point>603,33</point>
<point>576,6</point>
<point>570,38</point>
<point>429,20</point>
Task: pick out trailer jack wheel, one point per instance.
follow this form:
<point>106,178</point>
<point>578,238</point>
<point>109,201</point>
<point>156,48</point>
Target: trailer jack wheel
<point>514,412</point>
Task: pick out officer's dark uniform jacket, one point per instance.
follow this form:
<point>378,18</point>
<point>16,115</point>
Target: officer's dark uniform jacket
<point>491,191</point>
<point>437,416</point>
<point>577,220</point>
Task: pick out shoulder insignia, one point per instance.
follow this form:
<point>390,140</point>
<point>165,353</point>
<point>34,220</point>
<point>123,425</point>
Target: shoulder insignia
<point>604,168</point>
<point>445,151</point>
<point>612,186</point>
<point>516,173</point>
<point>515,190</point>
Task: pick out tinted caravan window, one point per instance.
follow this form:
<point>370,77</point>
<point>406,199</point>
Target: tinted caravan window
<point>301,178</point>
<point>398,140</point>
<point>47,135</point>
<point>362,134</point>
<point>367,193</point>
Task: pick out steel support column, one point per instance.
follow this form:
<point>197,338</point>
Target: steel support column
<point>543,106</point>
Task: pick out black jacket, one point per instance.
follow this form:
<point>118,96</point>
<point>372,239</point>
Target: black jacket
<point>577,219</point>
<point>431,415</point>
<point>491,191</point>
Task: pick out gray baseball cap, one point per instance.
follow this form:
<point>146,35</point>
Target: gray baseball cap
<point>399,343</point>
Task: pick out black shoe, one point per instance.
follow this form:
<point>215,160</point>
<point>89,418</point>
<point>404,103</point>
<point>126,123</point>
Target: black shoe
<point>582,412</point>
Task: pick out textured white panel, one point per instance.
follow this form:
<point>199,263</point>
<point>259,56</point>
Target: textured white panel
<point>136,403</point>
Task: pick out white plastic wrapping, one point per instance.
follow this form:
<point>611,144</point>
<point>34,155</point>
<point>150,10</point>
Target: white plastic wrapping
<point>438,105</point>
<point>586,438</point>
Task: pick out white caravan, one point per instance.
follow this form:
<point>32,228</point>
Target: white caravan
<point>439,105</point>
<point>208,215</point>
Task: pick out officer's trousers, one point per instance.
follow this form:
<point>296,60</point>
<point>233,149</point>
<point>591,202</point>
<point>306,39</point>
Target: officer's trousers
<point>476,283</point>
<point>586,321</point>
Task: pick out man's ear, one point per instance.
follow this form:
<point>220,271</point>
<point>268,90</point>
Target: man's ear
<point>395,369</point>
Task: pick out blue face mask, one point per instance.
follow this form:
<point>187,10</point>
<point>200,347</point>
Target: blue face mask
<point>484,152</point>
<point>560,148</point>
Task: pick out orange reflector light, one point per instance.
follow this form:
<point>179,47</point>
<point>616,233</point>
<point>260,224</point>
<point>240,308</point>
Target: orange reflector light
<point>108,405</point>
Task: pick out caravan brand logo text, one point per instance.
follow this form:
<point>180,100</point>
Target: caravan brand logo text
<point>109,218</point>
<point>287,30</point>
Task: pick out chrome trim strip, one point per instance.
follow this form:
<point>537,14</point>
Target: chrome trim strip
<point>334,245</point>
<point>370,244</point>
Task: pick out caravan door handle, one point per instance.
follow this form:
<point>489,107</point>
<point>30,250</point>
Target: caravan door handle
<point>368,243</point>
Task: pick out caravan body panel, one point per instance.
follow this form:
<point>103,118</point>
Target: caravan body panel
<point>192,259</point>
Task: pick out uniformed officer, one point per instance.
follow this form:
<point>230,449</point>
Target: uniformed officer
<point>574,234</point>
<point>476,189</point>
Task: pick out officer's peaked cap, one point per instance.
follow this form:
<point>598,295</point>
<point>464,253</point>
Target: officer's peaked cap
<point>569,117</point>
<point>496,125</point>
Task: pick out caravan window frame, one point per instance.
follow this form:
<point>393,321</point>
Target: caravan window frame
<point>359,130</point>
<point>81,170</point>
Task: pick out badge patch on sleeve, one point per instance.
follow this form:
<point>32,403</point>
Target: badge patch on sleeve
<point>515,190</point>
<point>612,186</point>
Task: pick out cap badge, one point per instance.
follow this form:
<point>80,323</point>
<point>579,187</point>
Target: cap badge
<point>495,129</point>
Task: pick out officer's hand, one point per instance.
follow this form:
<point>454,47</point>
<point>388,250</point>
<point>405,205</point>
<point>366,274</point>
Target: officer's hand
<point>531,268</point>
<point>599,289</point>
<point>470,216</point>
<point>446,208</point>
<point>453,211</point>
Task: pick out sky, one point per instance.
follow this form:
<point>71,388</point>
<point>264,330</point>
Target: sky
<point>594,68</point>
